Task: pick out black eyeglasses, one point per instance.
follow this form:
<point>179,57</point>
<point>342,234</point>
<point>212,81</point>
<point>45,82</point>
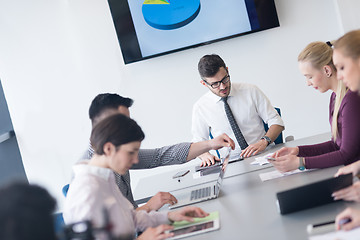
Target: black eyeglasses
<point>214,85</point>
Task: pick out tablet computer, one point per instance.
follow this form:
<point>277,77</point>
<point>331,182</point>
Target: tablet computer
<point>200,225</point>
<point>311,195</point>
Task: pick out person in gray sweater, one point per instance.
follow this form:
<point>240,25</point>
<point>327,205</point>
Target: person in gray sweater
<point>107,104</point>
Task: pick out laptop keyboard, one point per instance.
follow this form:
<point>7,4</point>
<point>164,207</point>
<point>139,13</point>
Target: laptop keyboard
<point>200,193</point>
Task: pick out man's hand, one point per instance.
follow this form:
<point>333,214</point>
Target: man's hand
<point>187,214</point>
<point>157,201</point>
<point>201,149</point>
<point>351,193</point>
<point>208,159</point>
<point>157,233</point>
<point>353,168</point>
<point>254,149</point>
<point>220,141</point>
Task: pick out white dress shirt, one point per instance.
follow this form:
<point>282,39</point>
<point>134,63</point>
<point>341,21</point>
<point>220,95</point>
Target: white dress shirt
<point>249,106</point>
<point>93,189</point>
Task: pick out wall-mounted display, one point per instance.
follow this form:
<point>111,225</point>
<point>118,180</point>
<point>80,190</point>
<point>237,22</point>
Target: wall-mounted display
<point>150,28</point>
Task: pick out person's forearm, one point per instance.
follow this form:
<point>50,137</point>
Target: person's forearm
<point>274,131</point>
<point>143,207</point>
<point>197,149</point>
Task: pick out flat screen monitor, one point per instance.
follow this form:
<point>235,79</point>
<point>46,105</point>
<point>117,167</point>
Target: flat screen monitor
<point>151,28</point>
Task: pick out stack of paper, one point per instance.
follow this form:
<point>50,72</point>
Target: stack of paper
<point>261,160</point>
<point>276,174</point>
<point>343,235</point>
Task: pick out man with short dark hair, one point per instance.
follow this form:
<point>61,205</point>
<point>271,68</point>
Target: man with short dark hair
<point>237,109</point>
<point>26,212</point>
<point>107,104</point>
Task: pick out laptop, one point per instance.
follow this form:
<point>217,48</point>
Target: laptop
<point>201,192</point>
<point>311,195</point>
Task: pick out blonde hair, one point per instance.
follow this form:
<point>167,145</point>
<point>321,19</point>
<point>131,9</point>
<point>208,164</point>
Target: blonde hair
<point>349,44</point>
<point>319,54</point>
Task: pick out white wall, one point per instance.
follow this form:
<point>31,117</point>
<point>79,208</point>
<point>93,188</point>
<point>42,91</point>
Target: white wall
<point>55,56</point>
<point>349,14</point>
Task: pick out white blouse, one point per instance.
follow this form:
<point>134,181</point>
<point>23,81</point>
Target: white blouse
<point>93,189</point>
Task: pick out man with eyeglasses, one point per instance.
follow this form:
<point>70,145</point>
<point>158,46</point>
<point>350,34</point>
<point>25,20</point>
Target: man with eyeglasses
<point>237,109</point>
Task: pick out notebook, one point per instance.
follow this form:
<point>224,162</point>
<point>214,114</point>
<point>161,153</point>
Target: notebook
<point>311,195</point>
<point>201,192</point>
<point>200,225</point>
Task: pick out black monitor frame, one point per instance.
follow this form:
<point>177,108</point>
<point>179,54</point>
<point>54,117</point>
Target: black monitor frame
<point>262,18</point>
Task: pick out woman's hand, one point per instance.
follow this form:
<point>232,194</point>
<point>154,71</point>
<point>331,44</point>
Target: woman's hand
<point>208,159</point>
<point>187,214</point>
<point>352,218</point>
<point>157,233</point>
<point>157,201</point>
<point>353,168</point>
<point>286,163</point>
<point>286,151</point>
<point>351,193</point>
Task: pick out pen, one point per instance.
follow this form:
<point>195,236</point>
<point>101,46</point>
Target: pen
<point>270,158</point>
<point>342,222</point>
<point>325,226</point>
<point>322,224</point>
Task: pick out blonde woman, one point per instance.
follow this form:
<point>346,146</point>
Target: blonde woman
<point>347,61</point>
<point>315,63</point>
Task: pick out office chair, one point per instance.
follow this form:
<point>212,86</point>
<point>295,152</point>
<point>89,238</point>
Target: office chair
<point>65,189</point>
<point>211,137</point>
<point>279,139</point>
<point>59,225</point>
<point>84,230</point>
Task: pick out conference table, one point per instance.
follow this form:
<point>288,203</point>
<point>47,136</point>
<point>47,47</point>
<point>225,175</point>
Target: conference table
<point>247,205</point>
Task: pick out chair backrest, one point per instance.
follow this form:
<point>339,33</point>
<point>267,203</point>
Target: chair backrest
<point>211,137</point>
<point>59,225</point>
<point>65,189</point>
<point>279,139</point>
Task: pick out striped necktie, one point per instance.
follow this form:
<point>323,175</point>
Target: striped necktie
<point>234,126</point>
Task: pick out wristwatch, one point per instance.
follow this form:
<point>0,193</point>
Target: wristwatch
<point>267,139</point>
<point>301,164</point>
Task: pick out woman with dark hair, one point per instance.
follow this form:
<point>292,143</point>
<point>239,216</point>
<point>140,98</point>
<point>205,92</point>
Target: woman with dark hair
<point>116,141</point>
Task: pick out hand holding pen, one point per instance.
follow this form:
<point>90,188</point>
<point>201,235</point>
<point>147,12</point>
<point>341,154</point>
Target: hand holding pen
<point>284,163</point>
<point>348,219</point>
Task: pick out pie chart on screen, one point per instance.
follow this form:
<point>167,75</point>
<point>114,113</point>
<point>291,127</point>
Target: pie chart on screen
<point>170,14</point>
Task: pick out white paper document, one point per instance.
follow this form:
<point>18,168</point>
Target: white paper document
<point>276,174</point>
<point>261,160</point>
<point>339,235</point>
<point>196,175</point>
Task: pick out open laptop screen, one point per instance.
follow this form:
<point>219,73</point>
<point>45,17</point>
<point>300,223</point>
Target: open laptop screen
<point>225,163</point>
